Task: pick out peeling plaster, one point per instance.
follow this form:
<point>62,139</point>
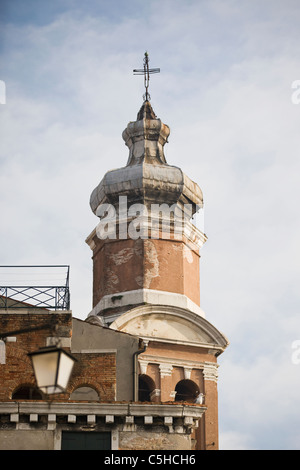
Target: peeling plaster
<point>151,258</point>
<point>187,254</point>
<point>151,265</point>
<point>122,256</point>
<point>112,279</point>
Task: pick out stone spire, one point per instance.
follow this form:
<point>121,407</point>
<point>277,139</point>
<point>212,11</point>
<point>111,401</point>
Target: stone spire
<point>146,138</point>
<point>147,178</point>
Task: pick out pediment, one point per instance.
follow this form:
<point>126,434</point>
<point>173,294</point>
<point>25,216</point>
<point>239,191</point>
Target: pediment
<point>170,324</point>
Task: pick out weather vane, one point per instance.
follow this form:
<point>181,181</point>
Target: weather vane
<point>146,72</point>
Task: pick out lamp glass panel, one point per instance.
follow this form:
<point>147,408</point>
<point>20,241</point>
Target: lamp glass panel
<point>65,368</point>
<point>45,366</point>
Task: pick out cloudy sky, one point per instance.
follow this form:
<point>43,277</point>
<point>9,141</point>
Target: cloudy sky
<point>225,90</point>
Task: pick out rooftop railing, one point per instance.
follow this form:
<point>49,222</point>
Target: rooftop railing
<point>39,286</point>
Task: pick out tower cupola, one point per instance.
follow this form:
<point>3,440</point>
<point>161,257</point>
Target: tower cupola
<point>147,178</point>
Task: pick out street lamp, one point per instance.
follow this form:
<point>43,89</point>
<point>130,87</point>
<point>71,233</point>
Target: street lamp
<point>52,368</point>
<point>52,365</point>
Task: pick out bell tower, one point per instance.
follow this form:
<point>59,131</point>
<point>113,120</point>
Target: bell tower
<point>145,246</point>
<point>146,276</point>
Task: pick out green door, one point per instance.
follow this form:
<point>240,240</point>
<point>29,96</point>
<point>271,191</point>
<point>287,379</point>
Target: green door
<point>85,440</point>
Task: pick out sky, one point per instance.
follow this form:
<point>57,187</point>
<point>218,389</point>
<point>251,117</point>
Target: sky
<point>228,91</point>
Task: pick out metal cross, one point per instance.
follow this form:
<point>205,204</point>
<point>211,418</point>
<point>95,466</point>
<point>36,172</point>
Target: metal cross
<point>146,72</point>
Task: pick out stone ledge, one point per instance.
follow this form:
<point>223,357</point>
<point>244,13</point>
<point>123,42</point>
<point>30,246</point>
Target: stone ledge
<point>175,417</point>
<point>103,408</point>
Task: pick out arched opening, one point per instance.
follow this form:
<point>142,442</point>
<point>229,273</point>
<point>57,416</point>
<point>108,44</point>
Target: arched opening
<point>26,392</point>
<point>84,393</point>
<point>187,390</point>
<point>146,387</point>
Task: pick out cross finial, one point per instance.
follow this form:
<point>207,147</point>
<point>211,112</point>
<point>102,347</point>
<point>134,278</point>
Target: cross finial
<point>146,71</point>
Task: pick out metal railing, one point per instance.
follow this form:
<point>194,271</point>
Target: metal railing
<point>18,293</point>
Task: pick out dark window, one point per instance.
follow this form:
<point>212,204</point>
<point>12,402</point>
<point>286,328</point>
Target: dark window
<point>186,390</point>
<point>86,440</point>
<point>146,387</point>
<point>27,393</point>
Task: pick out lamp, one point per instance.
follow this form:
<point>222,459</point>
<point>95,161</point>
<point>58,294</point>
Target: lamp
<point>52,367</point>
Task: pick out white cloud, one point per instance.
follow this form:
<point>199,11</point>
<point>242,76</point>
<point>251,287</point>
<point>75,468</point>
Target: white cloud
<point>225,90</point>
<point>231,440</point>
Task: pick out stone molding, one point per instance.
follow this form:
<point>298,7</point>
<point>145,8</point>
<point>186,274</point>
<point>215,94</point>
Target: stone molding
<point>165,370</point>
<point>143,366</point>
<point>141,296</point>
<point>177,418</point>
<point>154,394</point>
<point>184,363</point>
<point>210,371</point>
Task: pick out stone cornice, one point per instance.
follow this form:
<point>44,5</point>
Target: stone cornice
<point>177,417</point>
<point>145,296</point>
<point>185,363</point>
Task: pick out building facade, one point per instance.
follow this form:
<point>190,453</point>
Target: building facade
<point>98,410</point>
<point>146,371</point>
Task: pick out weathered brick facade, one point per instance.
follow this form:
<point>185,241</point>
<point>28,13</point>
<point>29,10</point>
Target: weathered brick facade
<point>106,366</point>
<point>17,371</point>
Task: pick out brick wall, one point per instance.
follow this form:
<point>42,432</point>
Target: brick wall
<point>95,370</point>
